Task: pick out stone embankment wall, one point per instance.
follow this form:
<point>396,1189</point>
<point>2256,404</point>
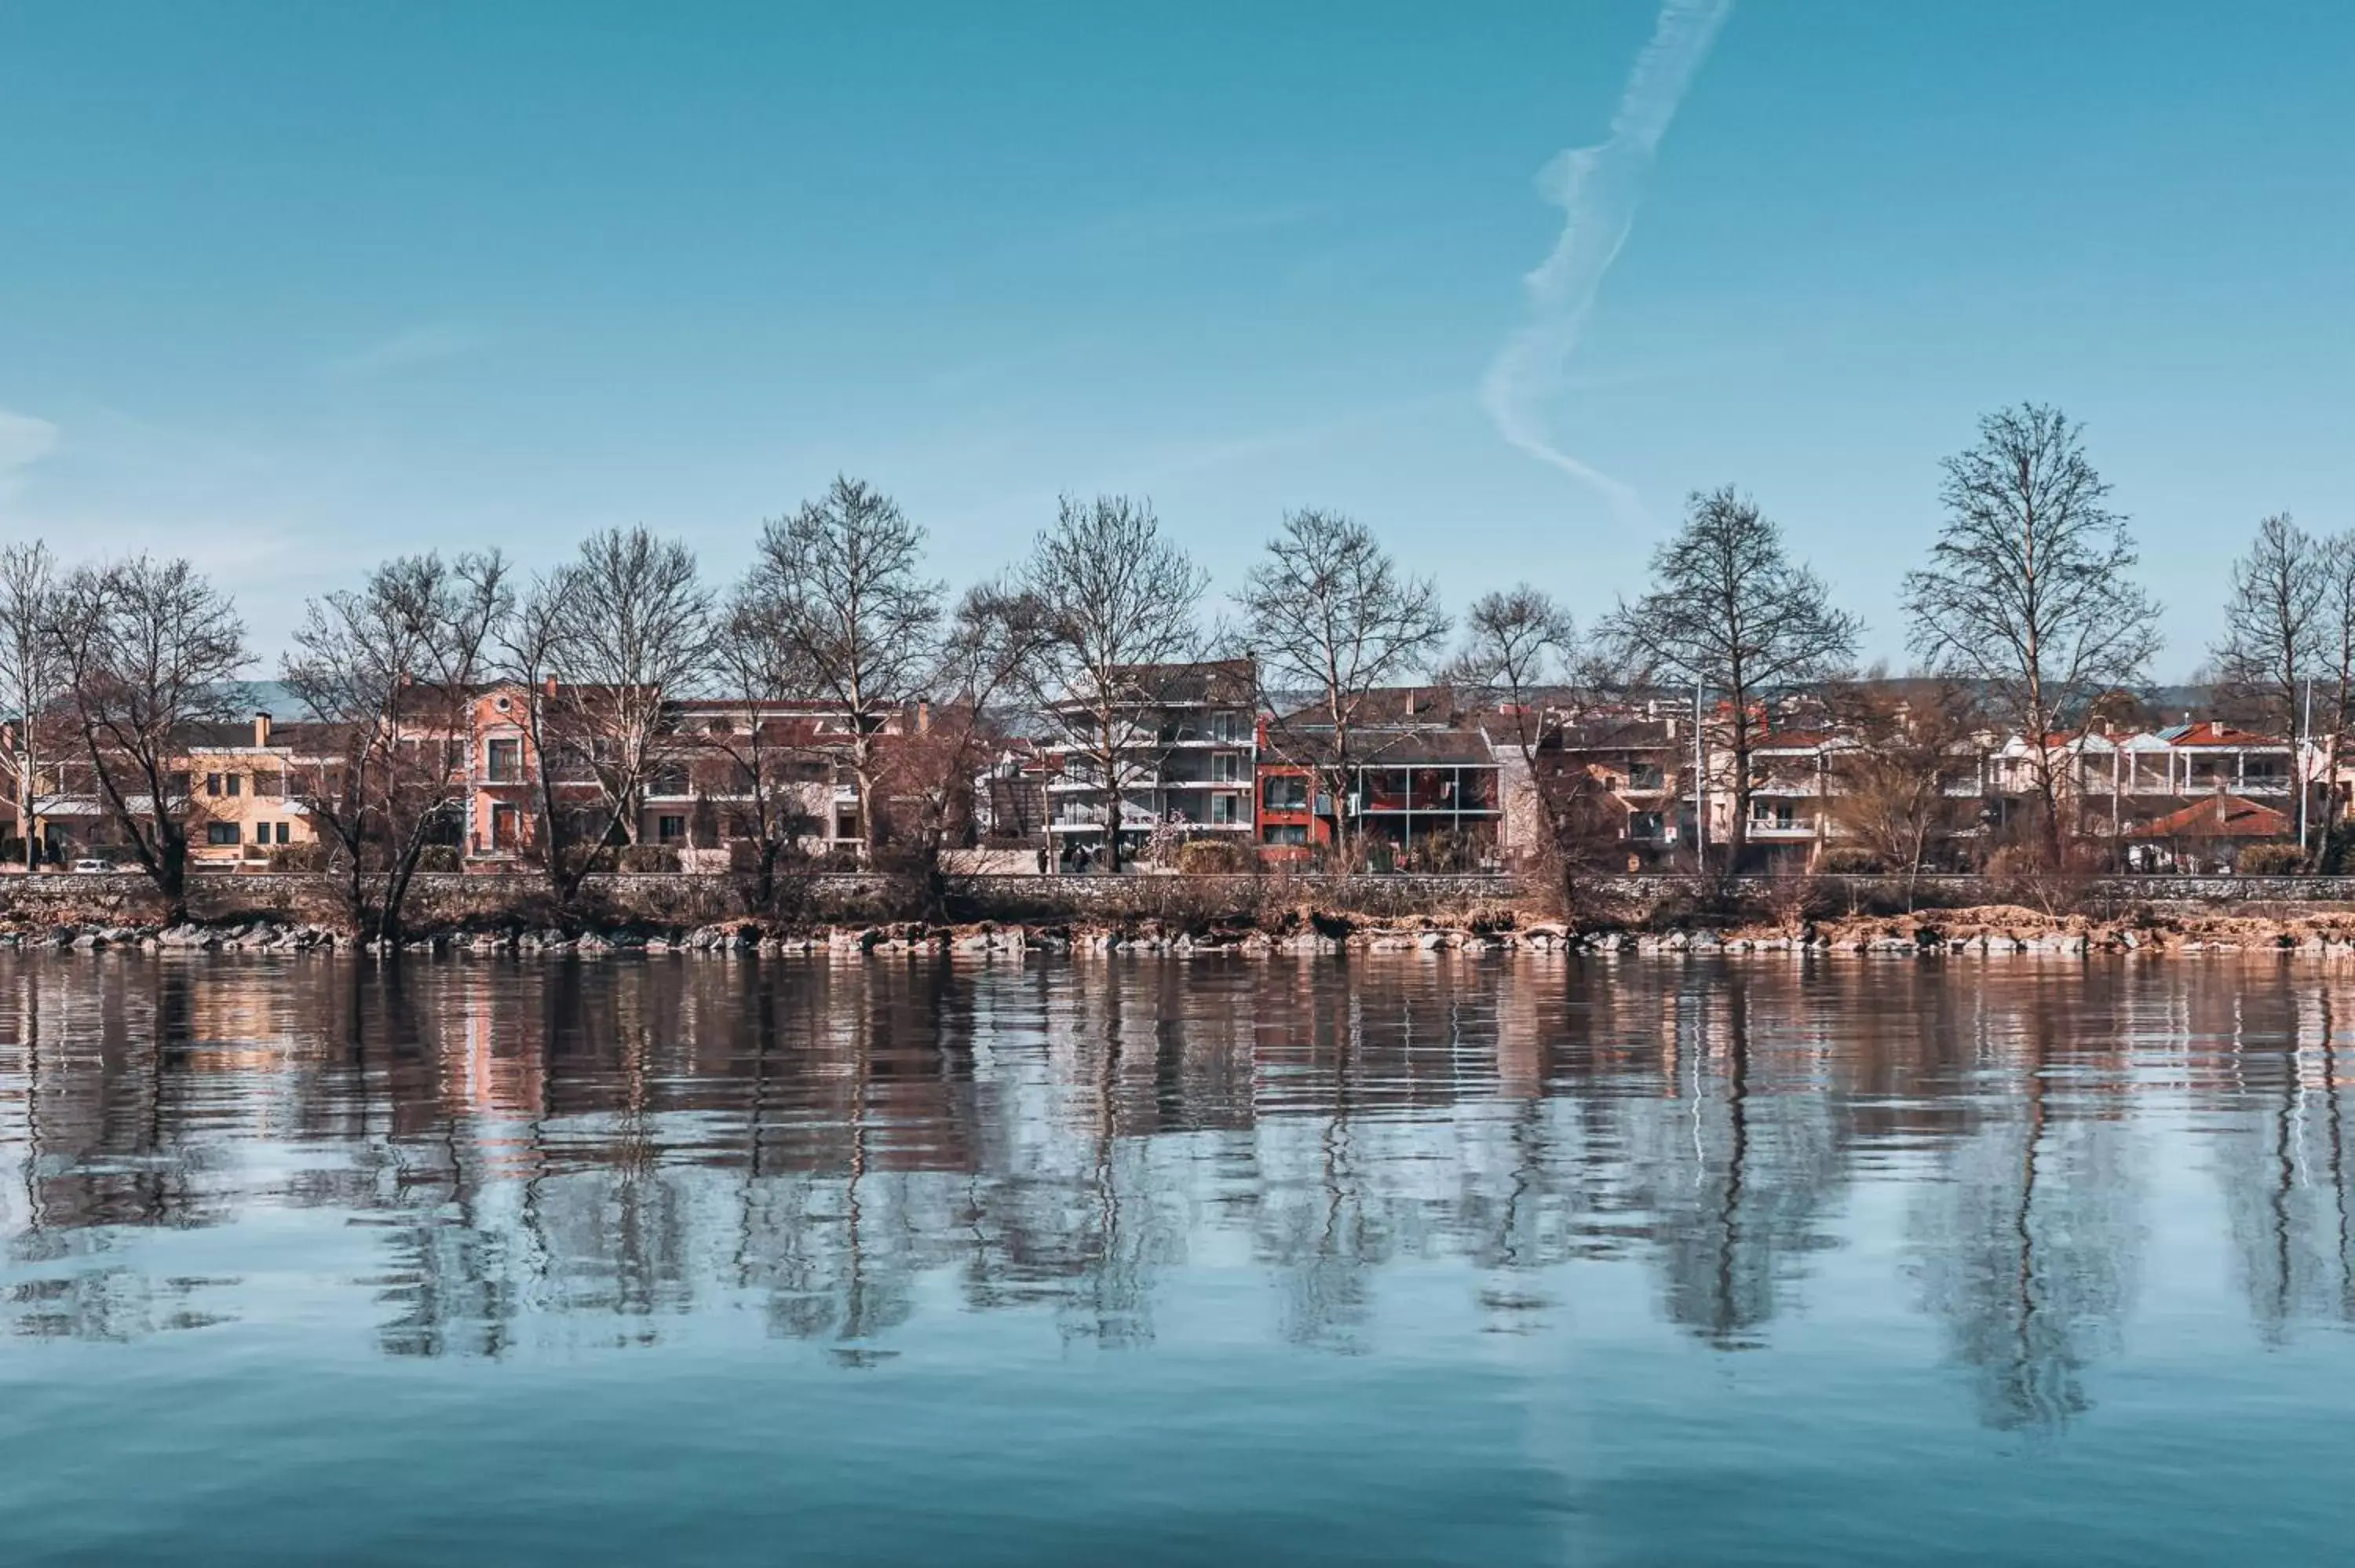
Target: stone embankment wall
<point>867,913</point>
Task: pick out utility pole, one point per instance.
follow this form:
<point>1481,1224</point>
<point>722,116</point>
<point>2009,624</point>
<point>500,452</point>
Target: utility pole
<point>2298,765</point>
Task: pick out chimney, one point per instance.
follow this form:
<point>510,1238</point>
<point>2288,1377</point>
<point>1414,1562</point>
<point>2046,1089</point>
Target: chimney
<point>261,729</point>
<point>549,686</point>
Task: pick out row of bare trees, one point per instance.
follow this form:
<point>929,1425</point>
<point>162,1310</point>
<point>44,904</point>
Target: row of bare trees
<point>2025,602</point>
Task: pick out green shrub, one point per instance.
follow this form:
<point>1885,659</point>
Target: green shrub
<point>1849,859</point>
<point>438,857</point>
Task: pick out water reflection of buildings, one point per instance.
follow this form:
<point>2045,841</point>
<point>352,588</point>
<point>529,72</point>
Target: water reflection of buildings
<point>592,1153</point>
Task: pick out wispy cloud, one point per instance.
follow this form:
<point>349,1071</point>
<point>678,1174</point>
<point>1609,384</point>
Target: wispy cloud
<point>409,348</point>
<point>24,442</point>
<point>1598,189</point>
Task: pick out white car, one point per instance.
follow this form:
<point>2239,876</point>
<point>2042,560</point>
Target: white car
<point>92,867</point>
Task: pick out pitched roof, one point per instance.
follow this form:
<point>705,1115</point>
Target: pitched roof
<point>1207,681</point>
<point>2211,732</point>
<point>1384,705</point>
<point>2217,817</point>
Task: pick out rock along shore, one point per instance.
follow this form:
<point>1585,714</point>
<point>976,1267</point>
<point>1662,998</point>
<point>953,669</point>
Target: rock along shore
<point>1992,930</point>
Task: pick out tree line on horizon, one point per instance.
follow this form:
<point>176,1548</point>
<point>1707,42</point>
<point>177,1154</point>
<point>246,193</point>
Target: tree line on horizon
<point>2027,600</point>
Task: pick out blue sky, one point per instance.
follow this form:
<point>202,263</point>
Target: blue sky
<point>293,286</point>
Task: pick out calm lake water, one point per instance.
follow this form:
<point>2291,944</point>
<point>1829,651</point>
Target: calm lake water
<point>1426,1259</point>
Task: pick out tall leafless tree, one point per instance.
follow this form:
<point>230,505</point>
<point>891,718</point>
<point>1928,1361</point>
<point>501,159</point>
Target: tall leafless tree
<point>1118,603</point>
<point>760,670</point>
<point>989,653</point>
<point>388,673</point>
<point>1730,611</point>
<point>634,633</point>
<point>2336,638</point>
<point>1523,659</point>
<point>528,657</point>
<point>30,676</point>
<point>2028,594</point>
<point>147,648</point>
<point>1328,611</point>
<point>2273,624</point>
<point>842,581</point>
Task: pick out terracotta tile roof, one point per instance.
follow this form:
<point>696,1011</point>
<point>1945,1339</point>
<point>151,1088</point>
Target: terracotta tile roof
<point>2208,732</point>
<point>2217,817</point>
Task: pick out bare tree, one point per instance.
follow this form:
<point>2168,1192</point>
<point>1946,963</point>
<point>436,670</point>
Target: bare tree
<point>1731,612</point>
<point>2274,623</point>
<point>388,671</point>
<point>1328,611</point>
<point>990,652</point>
<point>1895,788</point>
<point>528,660</point>
<point>634,632</point>
<point>1522,657</point>
<point>2335,640</point>
<point>842,580</point>
<point>30,676</point>
<point>758,668</point>
<point>1117,602</point>
<point>2028,594</point>
<point>146,648</point>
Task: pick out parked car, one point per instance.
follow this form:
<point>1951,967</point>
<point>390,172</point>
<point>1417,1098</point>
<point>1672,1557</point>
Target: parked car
<point>91,866</point>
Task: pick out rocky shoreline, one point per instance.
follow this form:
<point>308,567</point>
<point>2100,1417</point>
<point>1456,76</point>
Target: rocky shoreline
<point>1996,930</point>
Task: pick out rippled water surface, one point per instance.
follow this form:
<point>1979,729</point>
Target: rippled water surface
<point>1417,1260</point>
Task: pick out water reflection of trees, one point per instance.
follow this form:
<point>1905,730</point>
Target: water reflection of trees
<point>2029,1236</point>
<point>596,1153</point>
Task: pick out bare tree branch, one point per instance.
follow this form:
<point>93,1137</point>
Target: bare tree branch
<point>1729,610</point>
<point>1117,602</point>
<point>1328,611</point>
<point>2027,595</point>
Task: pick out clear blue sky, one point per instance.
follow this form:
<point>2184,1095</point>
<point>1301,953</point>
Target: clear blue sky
<point>294,285</point>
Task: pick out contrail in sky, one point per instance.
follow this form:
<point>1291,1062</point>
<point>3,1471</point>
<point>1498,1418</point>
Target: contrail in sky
<point>1597,188</point>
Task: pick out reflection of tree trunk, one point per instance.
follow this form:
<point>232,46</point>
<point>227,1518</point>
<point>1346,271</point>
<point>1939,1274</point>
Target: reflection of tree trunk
<point>2284,1176</point>
<point>2338,1159</point>
<point>1727,1311</point>
<point>2023,1213</point>
<point>36,1208</point>
<point>854,1294</point>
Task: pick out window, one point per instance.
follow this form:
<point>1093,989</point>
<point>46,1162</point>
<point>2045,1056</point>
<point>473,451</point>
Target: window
<point>1644,775</point>
<point>670,830</point>
<point>221,834</point>
<point>503,827</point>
<point>1222,766</point>
<point>1226,728</point>
<point>269,784</point>
<point>261,832</point>
<point>506,761</point>
<point>1287,833</point>
<point>236,782</point>
<point>212,784</point>
<point>1287,793</point>
<point>1222,809</point>
<point>845,824</point>
<point>285,837</point>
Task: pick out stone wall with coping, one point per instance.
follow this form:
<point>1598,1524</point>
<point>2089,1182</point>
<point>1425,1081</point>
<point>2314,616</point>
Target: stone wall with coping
<point>673,899</point>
